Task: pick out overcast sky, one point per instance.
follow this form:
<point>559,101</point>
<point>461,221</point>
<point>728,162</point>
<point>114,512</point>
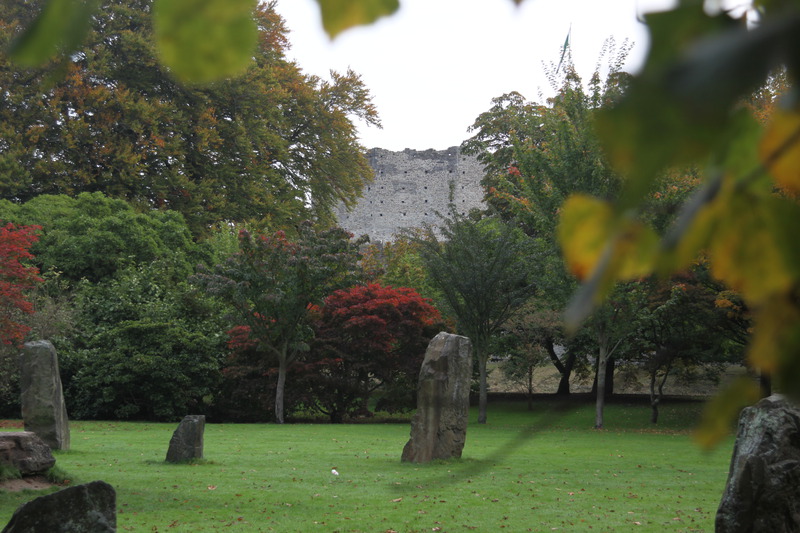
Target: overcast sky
<point>434,66</point>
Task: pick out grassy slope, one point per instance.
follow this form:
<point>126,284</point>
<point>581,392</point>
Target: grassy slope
<point>523,471</point>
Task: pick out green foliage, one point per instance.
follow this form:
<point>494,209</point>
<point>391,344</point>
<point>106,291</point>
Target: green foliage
<point>199,41</point>
<point>273,282</point>
<point>109,118</point>
<point>482,269</point>
<point>145,347</point>
<point>92,236</point>
<point>692,105</point>
<point>202,41</point>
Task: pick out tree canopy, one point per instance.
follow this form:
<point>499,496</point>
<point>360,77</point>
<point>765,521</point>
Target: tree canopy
<point>271,144</point>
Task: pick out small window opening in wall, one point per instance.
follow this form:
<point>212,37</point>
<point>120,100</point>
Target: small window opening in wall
<point>426,187</point>
<point>381,214</point>
<point>426,201</point>
<point>402,201</point>
<point>404,214</point>
<point>381,201</point>
<point>381,186</point>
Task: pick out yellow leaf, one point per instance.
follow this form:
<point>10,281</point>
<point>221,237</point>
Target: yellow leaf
<point>584,230</point>
<point>754,249</point>
<point>589,229</point>
<point>780,149</point>
<point>775,334</point>
<point>721,411</point>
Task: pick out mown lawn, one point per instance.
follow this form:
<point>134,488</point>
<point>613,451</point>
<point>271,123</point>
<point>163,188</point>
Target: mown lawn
<point>545,470</point>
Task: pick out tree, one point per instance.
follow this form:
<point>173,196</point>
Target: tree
<point>368,337</point>
<point>144,346</point>
<point>271,145</point>
<point>482,270</point>
<point>522,346</point>
<point>16,278</point>
<point>678,332</point>
<point>273,282</point>
<point>93,237</point>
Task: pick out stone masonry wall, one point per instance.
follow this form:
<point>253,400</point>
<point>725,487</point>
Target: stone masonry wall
<point>410,187</point>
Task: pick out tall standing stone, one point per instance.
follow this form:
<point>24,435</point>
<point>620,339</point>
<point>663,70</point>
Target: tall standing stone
<point>439,427</point>
<point>43,408</point>
<point>763,490</point>
<point>187,440</point>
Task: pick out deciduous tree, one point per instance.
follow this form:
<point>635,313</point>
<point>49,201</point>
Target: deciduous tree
<point>271,145</point>
<point>16,278</point>
<point>368,337</point>
<point>273,282</point>
<point>483,270</point>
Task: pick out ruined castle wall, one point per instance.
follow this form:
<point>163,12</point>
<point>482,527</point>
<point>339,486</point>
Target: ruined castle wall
<point>410,187</point>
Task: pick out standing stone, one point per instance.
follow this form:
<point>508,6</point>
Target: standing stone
<point>187,441</point>
<point>25,452</point>
<point>43,408</point>
<point>763,490</point>
<point>80,509</point>
<point>439,427</point>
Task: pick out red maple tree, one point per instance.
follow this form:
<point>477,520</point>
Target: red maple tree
<point>15,279</point>
<point>366,337</point>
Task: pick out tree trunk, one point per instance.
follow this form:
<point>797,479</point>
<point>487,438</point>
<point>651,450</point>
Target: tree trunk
<point>602,359</point>
<point>280,387</point>
<point>483,389</point>
<point>655,395</point>
<point>530,388</point>
<point>609,382</point>
<point>654,399</point>
<point>565,369</point>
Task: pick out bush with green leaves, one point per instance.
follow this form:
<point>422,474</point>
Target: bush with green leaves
<point>145,348</point>
<point>93,236</point>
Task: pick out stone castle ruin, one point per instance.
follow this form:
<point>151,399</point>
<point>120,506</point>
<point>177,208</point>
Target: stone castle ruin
<point>410,187</point>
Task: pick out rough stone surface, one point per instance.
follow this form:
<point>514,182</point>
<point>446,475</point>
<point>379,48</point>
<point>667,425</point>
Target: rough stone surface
<point>187,441</point>
<point>763,490</point>
<point>410,187</point>
<point>439,427</point>
<point>80,509</point>
<point>26,452</point>
<point>43,408</point>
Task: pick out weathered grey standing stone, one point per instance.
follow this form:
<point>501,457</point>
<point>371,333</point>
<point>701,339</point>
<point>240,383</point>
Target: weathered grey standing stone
<point>187,441</point>
<point>80,509</point>
<point>26,452</point>
<point>43,408</point>
<point>439,427</point>
<point>763,490</point>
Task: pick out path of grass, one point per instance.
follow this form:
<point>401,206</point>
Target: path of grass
<point>540,471</point>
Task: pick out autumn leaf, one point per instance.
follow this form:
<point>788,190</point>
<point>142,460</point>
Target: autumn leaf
<point>780,149</point>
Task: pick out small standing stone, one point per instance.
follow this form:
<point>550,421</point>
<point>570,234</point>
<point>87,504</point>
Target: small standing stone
<point>187,441</point>
<point>43,408</point>
<point>25,452</point>
<point>80,509</point>
<point>439,427</point>
<point>763,490</point>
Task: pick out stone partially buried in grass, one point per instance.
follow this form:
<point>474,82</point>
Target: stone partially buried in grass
<point>187,441</point>
<point>81,509</point>
<point>25,452</point>
<point>439,427</point>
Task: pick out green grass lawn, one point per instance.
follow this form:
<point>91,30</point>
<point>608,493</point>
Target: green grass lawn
<point>545,470</point>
